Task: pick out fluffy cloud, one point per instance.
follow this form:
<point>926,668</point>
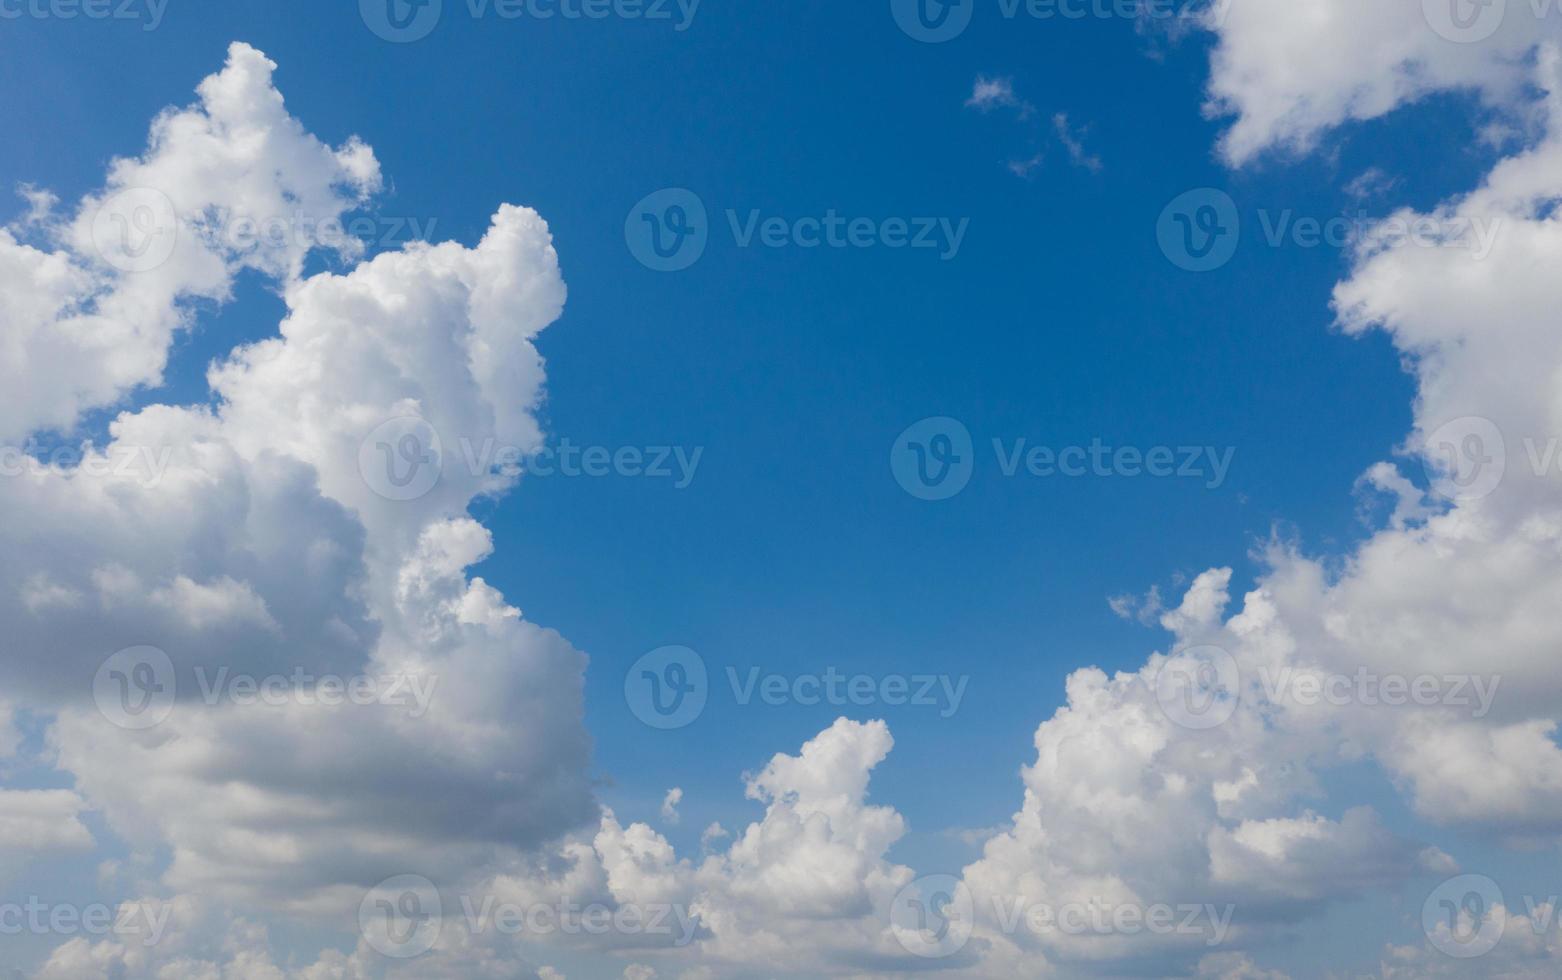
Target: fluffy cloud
<point>40,824</point>
<point>1290,71</point>
<point>249,542</point>
<point>816,857</point>
<point>89,313</point>
<point>254,536</point>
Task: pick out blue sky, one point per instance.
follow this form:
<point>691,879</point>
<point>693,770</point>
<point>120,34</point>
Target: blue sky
<point>793,549</point>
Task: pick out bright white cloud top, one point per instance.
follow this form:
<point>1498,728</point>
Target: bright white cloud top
<point>245,536</point>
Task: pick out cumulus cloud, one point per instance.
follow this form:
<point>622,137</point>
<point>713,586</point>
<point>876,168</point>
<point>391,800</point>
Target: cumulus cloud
<point>1289,72</point>
<point>260,549</point>
<point>92,307</point>
<point>261,543</point>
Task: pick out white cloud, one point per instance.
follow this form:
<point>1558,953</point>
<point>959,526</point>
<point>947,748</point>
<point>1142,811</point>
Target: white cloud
<point>38,825</point>
<point>1289,72</point>
<point>262,545</point>
<point>82,330</point>
<point>670,805</point>
<point>1074,144</point>
<point>262,549</point>
<point>988,94</point>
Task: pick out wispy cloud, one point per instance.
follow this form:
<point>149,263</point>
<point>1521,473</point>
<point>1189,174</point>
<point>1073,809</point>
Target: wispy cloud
<point>988,94</point>
<point>1075,146</point>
